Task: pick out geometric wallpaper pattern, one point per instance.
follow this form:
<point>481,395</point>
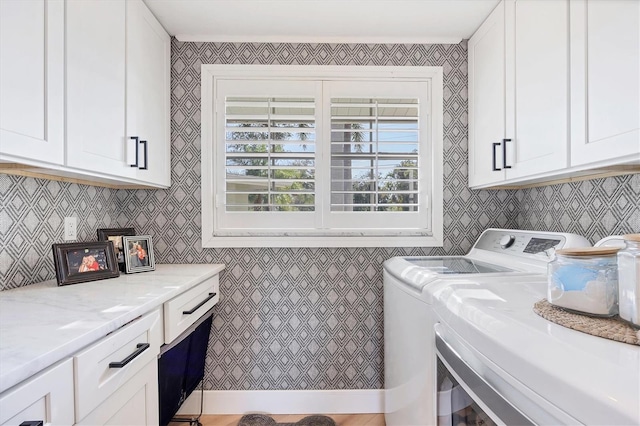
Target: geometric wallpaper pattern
<point>32,213</point>
<point>593,208</point>
<point>294,318</point>
<point>302,318</point>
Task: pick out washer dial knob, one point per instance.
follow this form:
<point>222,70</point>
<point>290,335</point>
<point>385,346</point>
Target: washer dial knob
<point>507,241</point>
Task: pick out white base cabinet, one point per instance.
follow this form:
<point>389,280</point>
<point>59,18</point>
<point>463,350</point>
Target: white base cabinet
<point>183,311</point>
<point>134,404</point>
<point>111,379</point>
<point>103,368</point>
<point>112,382</point>
<point>46,397</point>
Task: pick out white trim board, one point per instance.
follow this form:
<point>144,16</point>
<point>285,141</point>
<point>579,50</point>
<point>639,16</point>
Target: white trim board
<point>295,39</point>
<point>319,236</point>
<point>350,401</point>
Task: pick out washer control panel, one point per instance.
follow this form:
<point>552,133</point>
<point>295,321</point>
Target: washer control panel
<point>527,243</point>
<point>507,241</point>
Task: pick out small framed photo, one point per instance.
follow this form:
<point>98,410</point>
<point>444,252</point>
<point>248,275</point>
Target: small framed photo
<point>138,255</point>
<point>80,262</point>
<point>115,236</point>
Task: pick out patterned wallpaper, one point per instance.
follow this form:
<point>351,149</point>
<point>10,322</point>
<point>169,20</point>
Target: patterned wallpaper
<point>32,213</point>
<point>302,318</point>
<point>594,208</point>
<point>294,318</point>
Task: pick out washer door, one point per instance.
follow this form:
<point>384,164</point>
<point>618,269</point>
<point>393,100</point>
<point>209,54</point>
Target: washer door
<point>465,398</point>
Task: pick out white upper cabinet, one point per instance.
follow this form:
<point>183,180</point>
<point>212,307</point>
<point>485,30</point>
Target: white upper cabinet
<point>605,80</point>
<point>487,100</point>
<point>96,75</point>
<point>32,80</point>
<point>537,85</point>
<point>118,65</point>
<point>79,80</point>
<point>518,92</point>
<point>148,92</point>
<point>568,96</point>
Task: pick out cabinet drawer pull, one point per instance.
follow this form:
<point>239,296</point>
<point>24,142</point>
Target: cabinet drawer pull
<point>135,139</point>
<point>146,156</point>
<point>199,305</point>
<point>32,423</point>
<point>504,153</point>
<point>141,348</point>
<point>495,166</point>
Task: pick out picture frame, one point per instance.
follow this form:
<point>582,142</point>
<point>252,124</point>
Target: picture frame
<point>138,254</point>
<point>81,262</point>
<point>115,235</point>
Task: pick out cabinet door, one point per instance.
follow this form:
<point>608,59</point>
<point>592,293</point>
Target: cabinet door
<point>95,42</point>
<point>537,76</point>
<point>487,99</point>
<point>47,396</point>
<point>97,378</point>
<point>32,80</point>
<point>134,404</point>
<point>148,91</point>
<point>605,80</point>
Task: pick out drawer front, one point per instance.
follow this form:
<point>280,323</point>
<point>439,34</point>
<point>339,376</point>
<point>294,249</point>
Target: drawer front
<point>102,368</point>
<point>135,403</point>
<point>47,397</point>
<point>184,310</point>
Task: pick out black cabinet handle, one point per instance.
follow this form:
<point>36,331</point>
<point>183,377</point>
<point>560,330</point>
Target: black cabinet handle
<point>199,305</point>
<point>135,138</point>
<point>141,348</point>
<point>32,423</point>
<point>504,153</point>
<point>495,166</point>
<point>146,156</point>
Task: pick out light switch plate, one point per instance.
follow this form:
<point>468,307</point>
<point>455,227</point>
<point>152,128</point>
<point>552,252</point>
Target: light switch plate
<point>70,228</point>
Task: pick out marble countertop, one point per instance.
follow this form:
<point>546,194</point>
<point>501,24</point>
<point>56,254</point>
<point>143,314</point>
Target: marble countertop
<point>42,324</point>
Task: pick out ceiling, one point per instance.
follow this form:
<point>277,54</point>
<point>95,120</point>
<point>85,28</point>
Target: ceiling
<point>322,21</point>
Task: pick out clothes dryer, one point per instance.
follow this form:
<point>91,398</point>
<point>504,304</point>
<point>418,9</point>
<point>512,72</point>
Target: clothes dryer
<point>409,282</point>
<point>501,363</point>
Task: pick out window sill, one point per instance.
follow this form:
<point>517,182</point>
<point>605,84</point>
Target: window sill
<point>322,241</point>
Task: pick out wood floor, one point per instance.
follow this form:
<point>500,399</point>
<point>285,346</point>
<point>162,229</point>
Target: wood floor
<point>340,419</point>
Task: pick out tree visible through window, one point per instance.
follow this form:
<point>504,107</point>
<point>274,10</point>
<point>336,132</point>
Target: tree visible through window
<point>270,154</point>
<point>375,144</point>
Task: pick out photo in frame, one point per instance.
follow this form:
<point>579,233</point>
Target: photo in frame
<point>81,262</point>
<point>138,254</point>
<point>115,235</point>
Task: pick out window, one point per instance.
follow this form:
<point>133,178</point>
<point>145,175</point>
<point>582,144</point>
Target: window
<point>321,156</point>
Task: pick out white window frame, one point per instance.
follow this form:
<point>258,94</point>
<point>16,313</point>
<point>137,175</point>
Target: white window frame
<point>385,237</point>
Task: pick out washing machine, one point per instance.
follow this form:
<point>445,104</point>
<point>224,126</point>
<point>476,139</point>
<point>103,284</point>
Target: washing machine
<point>409,283</point>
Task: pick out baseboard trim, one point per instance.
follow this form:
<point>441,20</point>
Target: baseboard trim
<point>286,401</point>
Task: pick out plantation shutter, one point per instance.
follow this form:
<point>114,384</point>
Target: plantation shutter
<point>305,157</point>
<point>270,154</point>
<point>269,129</point>
<point>374,154</point>
<point>378,140</point>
